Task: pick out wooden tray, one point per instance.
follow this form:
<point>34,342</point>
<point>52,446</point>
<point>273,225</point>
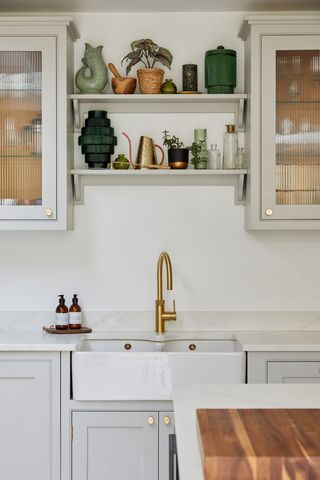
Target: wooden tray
<point>69,331</point>
<point>264,444</point>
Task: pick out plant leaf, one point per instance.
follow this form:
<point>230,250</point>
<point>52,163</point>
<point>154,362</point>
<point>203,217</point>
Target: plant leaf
<point>133,55</point>
<point>139,44</point>
<point>133,62</point>
<point>165,57</point>
<point>151,42</point>
<point>130,56</point>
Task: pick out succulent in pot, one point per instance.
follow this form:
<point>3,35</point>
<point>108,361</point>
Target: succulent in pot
<point>178,154</point>
<point>148,53</point>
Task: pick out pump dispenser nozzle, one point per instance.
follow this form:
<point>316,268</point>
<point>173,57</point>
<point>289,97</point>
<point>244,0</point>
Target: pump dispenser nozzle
<point>61,299</point>
<point>75,298</point>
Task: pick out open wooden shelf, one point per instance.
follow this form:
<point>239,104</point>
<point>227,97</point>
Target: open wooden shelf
<point>145,177</point>
<point>178,103</point>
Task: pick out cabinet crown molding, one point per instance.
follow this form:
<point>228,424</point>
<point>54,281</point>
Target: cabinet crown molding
<point>296,18</point>
<point>40,20</point>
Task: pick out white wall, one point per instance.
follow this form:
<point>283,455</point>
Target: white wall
<point>110,257</point>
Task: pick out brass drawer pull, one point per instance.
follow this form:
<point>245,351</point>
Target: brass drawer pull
<point>151,420</point>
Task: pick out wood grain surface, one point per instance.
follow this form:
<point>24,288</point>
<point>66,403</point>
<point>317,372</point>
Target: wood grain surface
<point>68,331</point>
<point>260,444</point>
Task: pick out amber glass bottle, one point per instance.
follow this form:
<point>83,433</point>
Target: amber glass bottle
<point>75,313</point>
<point>62,314</point>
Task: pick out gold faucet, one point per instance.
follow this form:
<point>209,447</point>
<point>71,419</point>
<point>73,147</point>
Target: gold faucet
<point>161,314</point>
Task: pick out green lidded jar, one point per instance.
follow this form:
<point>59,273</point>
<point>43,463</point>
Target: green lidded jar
<point>220,70</point>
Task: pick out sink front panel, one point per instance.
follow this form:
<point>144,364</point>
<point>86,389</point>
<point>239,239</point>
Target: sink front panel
<point>104,370</point>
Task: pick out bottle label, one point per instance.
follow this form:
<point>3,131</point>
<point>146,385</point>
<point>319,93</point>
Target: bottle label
<point>62,319</point>
<point>75,318</point>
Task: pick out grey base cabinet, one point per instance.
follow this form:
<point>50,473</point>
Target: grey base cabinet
<point>283,367</point>
<point>30,416</point>
<point>120,445</point>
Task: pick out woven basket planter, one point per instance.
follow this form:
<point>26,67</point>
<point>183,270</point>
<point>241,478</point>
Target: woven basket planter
<point>150,80</point>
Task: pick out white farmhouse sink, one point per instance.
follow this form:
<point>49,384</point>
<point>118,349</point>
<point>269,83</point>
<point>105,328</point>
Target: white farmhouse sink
<point>146,369</point>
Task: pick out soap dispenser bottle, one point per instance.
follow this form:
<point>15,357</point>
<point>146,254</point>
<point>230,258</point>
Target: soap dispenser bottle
<point>75,313</point>
<point>62,314</point>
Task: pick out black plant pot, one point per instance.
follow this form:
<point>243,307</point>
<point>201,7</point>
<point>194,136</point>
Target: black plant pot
<point>178,158</point>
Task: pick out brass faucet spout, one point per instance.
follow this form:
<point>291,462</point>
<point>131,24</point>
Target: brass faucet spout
<point>161,314</point>
<point>163,256</point>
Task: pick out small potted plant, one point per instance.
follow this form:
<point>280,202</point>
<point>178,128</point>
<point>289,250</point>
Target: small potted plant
<point>148,53</point>
<point>178,154</point>
<point>196,160</point>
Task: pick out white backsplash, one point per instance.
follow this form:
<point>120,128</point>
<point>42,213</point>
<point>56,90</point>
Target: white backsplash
<point>110,258</point>
<point>194,321</point>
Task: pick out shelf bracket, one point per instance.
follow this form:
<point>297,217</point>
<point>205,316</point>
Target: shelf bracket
<point>240,119</point>
<point>76,113</point>
<point>76,187</point>
<point>240,188</point>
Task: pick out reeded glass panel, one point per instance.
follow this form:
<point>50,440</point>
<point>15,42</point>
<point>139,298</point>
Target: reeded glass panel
<point>298,127</point>
<point>20,128</point>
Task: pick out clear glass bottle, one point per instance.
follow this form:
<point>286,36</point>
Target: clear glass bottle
<point>214,158</point>
<point>240,159</point>
<point>230,147</point>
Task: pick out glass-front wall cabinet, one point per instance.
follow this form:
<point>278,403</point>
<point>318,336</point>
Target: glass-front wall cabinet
<point>290,133</point>
<point>27,128</point>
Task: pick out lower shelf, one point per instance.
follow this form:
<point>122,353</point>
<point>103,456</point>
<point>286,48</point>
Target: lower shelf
<point>145,177</point>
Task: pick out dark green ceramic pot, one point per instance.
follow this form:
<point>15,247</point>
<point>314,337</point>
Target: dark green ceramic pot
<point>168,87</point>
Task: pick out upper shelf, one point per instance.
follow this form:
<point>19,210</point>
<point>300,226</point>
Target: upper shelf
<point>178,103</point>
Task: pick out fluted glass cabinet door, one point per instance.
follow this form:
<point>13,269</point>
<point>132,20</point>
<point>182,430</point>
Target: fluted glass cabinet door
<point>290,127</point>
<point>28,128</point>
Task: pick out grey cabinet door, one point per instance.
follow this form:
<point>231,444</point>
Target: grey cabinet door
<point>290,174</point>
<point>28,185</point>
<point>293,372</point>
<point>29,416</point>
<point>166,428</point>
<point>115,446</point>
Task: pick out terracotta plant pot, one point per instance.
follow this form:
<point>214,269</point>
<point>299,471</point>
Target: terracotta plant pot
<point>150,80</point>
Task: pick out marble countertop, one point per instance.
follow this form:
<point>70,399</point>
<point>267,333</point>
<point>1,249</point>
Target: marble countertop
<point>279,341</point>
<point>16,341</point>
<point>19,340</point>
<point>186,399</point>
<point>276,341</point>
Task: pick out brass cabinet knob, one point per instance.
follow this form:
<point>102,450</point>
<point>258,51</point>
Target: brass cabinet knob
<point>151,420</point>
<point>269,212</point>
<point>166,420</point>
<point>49,212</point>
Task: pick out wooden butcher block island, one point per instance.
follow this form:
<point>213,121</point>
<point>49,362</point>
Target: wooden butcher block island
<point>260,444</point>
